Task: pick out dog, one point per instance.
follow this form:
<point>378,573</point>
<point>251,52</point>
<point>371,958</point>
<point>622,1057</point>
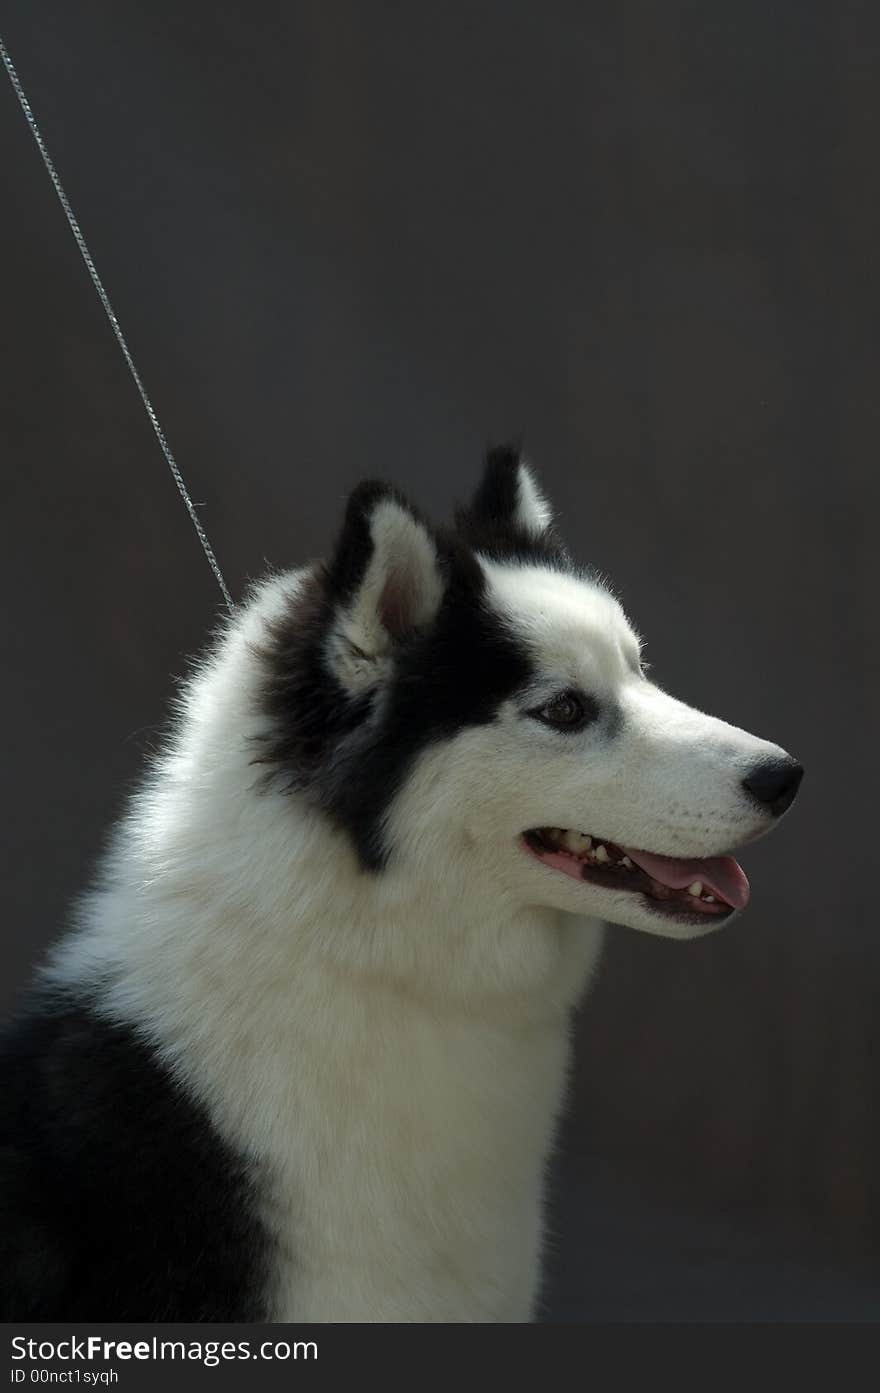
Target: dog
<point>301,1054</point>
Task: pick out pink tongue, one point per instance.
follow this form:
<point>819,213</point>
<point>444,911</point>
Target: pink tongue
<point>721,876</point>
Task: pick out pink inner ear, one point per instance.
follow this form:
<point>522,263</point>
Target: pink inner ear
<point>397,602</point>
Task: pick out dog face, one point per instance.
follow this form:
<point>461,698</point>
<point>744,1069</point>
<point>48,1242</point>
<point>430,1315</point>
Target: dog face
<point>468,705</point>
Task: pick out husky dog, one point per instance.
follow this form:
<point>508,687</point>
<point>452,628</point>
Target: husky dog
<point>301,1057</point>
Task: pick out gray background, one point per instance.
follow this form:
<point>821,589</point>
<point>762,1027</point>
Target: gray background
<point>352,239</point>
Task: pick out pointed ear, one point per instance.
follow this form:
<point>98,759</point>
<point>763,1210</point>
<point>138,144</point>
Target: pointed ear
<point>508,506</point>
<point>385,584</point>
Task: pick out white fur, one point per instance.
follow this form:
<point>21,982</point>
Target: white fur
<point>533,513</point>
<point>670,782</point>
<point>403,564</point>
<point>392,1048</point>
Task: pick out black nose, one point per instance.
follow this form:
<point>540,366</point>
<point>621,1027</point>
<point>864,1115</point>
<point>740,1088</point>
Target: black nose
<point>774,782</point>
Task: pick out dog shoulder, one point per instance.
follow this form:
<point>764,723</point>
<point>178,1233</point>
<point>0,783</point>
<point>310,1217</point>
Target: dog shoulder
<point>112,1178</point>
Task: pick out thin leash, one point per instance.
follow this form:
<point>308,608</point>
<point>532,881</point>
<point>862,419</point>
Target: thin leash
<point>114,324</point>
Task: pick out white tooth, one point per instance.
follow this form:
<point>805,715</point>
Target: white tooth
<point>626,862</point>
<point>709,899</point>
<point>576,842</point>
<point>696,888</point>
<point>601,854</point>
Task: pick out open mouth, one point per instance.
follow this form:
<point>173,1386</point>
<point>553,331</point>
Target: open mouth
<point>707,887</point>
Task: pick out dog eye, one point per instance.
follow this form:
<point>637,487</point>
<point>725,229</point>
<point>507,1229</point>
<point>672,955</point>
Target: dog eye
<point>567,711</point>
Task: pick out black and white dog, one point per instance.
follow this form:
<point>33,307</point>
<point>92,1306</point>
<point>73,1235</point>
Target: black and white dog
<point>302,1055</point>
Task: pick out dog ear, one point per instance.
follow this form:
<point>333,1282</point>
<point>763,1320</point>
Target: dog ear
<point>508,509</point>
<point>385,583</point>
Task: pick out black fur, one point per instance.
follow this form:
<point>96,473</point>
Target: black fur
<point>453,674</point>
<point>488,524</point>
<point>118,1201</point>
<point>355,546</point>
<point>310,711</point>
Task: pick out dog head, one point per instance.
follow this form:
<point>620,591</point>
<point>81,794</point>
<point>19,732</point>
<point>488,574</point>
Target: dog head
<point>469,702</point>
